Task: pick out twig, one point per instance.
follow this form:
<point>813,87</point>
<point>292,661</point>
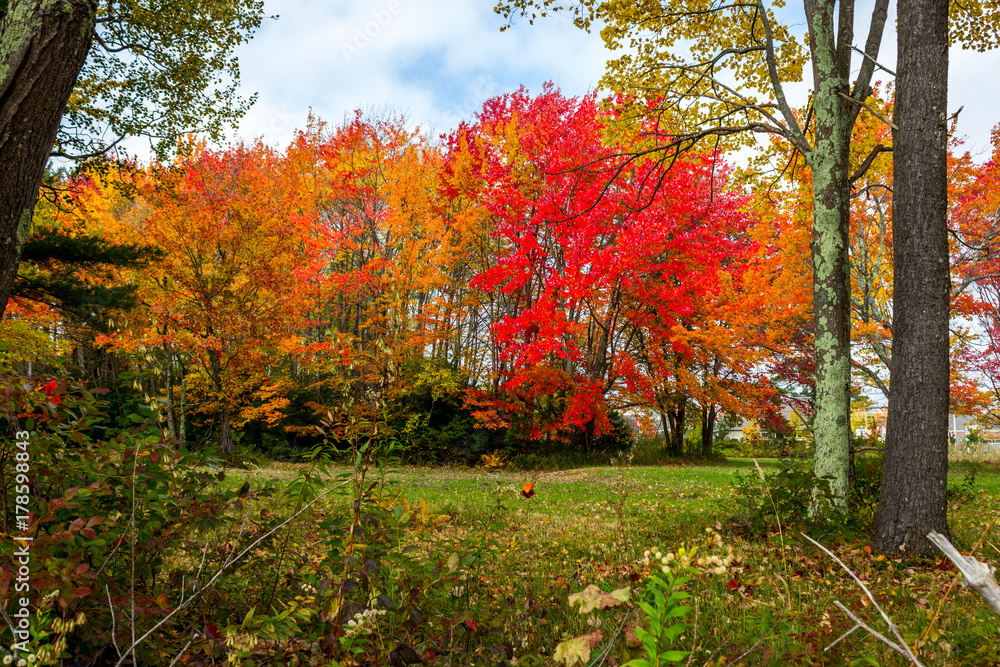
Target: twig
<point>611,643</point>
<point>877,64</point>
<point>114,626</point>
<point>694,636</point>
<point>754,647</point>
<point>10,622</point>
<point>841,637</point>
<point>892,626</point>
<point>219,572</point>
<point>135,464</point>
<point>177,657</point>
<point>978,575</point>
<point>903,650</point>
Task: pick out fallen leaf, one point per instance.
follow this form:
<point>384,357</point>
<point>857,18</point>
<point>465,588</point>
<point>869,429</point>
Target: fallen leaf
<point>573,651</point>
<point>593,598</point>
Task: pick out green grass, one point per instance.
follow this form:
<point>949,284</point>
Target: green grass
<point>592,526</point>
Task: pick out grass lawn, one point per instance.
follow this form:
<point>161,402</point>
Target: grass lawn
<point>475,572</point>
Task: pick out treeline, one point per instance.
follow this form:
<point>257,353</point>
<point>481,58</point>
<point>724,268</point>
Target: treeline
<point>526,281</point>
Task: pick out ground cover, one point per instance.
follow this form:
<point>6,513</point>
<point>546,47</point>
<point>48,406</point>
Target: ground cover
<point>473,569</point>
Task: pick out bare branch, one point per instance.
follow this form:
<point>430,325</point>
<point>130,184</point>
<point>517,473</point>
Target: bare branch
<point>876,113</point>
<point>875,63</point>
<point>779,91</point>
<point>903,650</point>
<point>872,375</point>
<point>892,626</point>
<point>866,165</point>
<point>978,575</point>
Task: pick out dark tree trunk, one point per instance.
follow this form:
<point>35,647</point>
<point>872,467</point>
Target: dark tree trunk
<point>708,416</point>
<point>182,419</point>
<point>169,381</point>
<point>43,45</point>
<point>225,432</point>
<point>224,415</point>
<point>675,441</point>
<point>587,437</point>
<point>913,499</point>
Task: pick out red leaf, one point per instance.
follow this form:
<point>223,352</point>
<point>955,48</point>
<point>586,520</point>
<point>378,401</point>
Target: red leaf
<point>734,584</point>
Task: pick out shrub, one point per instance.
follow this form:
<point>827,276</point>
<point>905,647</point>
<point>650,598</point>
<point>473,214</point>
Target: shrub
<point>785,496</point>
<point>107,514</point>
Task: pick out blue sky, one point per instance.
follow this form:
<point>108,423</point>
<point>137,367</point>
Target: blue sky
<point>437,61</point>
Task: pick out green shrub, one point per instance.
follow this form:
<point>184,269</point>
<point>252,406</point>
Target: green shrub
<point>620,439</point>
<point>765,498</point>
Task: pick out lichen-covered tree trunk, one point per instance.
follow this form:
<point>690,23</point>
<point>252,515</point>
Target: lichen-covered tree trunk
<point>43,45</point>
<point>828,161</point>
<point>913,497</point>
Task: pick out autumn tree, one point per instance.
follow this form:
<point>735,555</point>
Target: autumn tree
<point>371,185</point>
<point>600,284</point>
<point>746,40</point>
<point>77,77</point>
<point>240,271</point>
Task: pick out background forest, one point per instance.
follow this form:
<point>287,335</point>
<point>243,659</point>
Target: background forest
<point>480,286</point>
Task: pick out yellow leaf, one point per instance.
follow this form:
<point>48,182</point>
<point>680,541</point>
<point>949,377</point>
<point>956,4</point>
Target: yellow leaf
<point>573,651</point>
<point>593,598</point>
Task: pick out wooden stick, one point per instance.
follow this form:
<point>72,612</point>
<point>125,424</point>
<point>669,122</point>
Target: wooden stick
<point>951,586</point>
<point>978,575</point>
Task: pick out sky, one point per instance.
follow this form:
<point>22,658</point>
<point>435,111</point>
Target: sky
<point>437,61</point>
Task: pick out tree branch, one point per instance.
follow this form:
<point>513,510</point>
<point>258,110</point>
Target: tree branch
<point>978,575</point>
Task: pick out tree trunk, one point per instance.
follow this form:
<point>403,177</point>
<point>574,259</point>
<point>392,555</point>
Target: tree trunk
<point>913,498</point>
<point>169,377</point>
<point>829,164</point>
<point>675,417</point>
<point>225,432</point>
<point>43,45</point>
<point>182,426</point>
<point>708,416</point>
<point>666,429</point>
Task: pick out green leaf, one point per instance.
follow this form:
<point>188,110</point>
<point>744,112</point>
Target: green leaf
<point>677,611</point>
<point>674,656</point>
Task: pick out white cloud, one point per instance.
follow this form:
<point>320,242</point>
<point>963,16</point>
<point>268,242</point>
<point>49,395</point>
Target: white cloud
<point>439,60</point>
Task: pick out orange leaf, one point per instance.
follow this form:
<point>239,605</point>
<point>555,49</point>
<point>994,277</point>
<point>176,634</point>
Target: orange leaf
<point>528,490</point>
